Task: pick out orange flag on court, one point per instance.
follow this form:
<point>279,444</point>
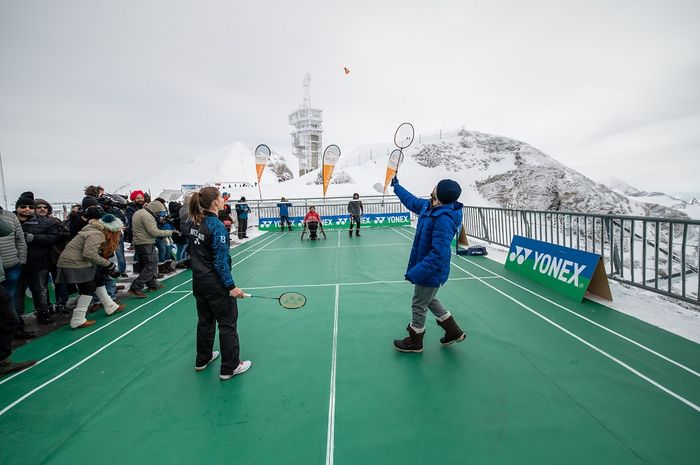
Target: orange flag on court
<point>262,156</point>
<point>330,158</point>
<point>395,159</point>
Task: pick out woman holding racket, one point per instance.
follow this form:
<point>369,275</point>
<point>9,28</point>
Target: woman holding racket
<point>213,286</point>
<point>429,263</point>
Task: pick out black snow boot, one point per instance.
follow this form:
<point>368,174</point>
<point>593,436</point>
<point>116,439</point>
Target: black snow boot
<point>290,227</point>
<point>452,331</point>
<point>357,233</point>
<point>412,343</point>
<point>351,233</point>
<point>43,318</point>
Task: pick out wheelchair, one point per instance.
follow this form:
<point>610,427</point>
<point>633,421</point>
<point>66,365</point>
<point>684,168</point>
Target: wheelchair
<point>313,227</point>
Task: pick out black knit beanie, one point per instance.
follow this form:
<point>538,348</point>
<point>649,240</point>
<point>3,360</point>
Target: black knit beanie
<point>448,191</point>
<point>26,198</point>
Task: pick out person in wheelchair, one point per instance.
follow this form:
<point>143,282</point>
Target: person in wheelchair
<point>312,223</point>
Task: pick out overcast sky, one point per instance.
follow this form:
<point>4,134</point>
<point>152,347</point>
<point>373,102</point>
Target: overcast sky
<point>92,91</point>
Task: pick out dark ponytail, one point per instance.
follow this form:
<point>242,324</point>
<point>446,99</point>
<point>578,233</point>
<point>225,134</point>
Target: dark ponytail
<point>201,201</point>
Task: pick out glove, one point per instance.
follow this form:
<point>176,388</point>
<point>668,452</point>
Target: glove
<point>394,181</point>
<point>28,237</point>
<point>112,271</point>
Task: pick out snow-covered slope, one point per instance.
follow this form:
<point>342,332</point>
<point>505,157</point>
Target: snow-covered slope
<point>492,170</point>
<point>232,166</point>
<point>689,207</point>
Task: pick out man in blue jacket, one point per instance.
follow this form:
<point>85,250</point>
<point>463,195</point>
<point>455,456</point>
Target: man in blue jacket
<point>284,205</point>
<point>429,263</point>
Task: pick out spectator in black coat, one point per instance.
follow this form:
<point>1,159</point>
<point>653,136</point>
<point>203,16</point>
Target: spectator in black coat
<point>41,235</point>
<point>43,208</point>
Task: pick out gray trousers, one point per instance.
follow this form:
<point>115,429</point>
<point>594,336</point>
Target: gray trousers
<point>148,259</point>
<point>424,299</point>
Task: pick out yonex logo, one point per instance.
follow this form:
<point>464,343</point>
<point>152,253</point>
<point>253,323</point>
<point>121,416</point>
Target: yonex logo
<point>517,254</point>
<point>546,264</point>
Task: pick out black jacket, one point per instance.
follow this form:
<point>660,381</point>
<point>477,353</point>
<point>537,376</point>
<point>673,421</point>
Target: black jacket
<point>209,252</point>
<point>42,234</point>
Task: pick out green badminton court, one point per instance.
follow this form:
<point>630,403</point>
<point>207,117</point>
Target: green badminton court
<point>540,379</point>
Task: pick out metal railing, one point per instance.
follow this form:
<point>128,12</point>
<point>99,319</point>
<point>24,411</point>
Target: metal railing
<point>337,208</point>
<point>658,254</point>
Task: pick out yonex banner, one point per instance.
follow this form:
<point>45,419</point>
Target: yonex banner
<point>569,271</point>
<point>342,221</point>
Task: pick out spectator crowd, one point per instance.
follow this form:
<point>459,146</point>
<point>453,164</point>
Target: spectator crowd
<point>82,256</point>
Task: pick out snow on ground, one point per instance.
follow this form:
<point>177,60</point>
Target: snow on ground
<point>666,313</point>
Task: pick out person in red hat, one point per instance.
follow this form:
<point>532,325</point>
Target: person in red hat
<point>138,198</point>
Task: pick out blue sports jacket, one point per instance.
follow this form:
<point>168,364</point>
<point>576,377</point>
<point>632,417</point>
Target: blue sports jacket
<point>284,208</point>
<point>242,210</point>
<point>429,263</point>
<point>210,257</point>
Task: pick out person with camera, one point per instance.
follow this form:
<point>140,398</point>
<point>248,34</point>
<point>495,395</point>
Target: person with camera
<point>116,204</point>
<point>82,258</point>
<point>145,232</point>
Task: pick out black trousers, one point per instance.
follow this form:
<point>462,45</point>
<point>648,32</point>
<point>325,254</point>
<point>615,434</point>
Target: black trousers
<point>8,323</point>
<point>37,282</point>
<point>148,259</point>
<point>215,306</point>
<point>355,219</point>
<point>242,227</point>
<point>285,219</point>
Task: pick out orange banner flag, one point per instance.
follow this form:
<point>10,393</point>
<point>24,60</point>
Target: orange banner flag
<point>330,158</point>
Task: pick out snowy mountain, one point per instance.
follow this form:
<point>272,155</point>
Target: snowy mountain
<point>492,170</point>
<point>231,167</point>
<point>689,207</point>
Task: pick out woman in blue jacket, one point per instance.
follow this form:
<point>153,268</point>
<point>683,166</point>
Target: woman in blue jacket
<point>429,263</point>
<point>212,285</point>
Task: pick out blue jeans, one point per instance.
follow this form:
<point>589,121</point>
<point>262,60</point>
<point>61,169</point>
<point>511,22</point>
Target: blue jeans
<point>12,275</point>
<point>181,251</point>
<point>121,259</point>
<point>111,287</point>
<point>163,252</point>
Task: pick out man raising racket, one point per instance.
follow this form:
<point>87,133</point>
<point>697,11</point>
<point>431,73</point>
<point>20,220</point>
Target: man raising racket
<point>429,263</point>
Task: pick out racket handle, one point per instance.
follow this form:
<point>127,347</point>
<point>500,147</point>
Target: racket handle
<point>247,295</point>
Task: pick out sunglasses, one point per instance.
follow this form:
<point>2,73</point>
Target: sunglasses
<point>43,207</point>
<point>26,206</point>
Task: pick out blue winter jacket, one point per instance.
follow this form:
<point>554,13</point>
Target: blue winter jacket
<point>284,208</point>
<point>242,210</point>
<point>429,264</point>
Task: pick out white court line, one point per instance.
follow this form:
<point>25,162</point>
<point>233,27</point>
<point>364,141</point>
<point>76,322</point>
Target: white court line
<point>592,346</point>
<point>330,437</point>
<point>335,247</point>
<point>102,327</point>
<point>95,331</point>
<point>338,238</point>
<point>611,331</point>
<point>122,316</point>
<point>360,283</point>
<point>63,373</point>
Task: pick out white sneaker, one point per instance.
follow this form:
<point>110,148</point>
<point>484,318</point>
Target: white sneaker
<point>241,368</point>
<point>214,356</point>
